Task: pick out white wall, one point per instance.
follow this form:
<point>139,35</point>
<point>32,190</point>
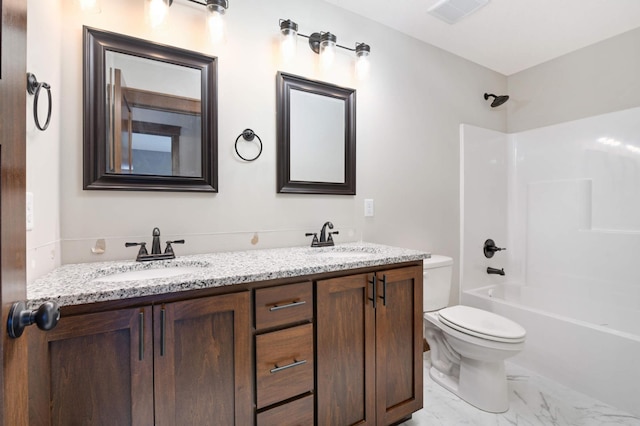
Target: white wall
<point>591,81</point>
<point>408,116</point>
<point>43,148</point>
<point>484,193</point>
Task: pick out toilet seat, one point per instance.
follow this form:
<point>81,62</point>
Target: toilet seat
<point>482,324</point>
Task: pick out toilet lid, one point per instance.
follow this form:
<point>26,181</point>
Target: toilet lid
<point>483,324</point>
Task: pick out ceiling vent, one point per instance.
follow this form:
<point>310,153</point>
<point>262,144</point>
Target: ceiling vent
<point>451,11</point>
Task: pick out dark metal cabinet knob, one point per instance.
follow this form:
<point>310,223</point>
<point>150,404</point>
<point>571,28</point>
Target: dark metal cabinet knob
<point>45,317</point>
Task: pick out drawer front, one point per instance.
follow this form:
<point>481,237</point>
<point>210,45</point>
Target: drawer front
<point>284,304</point>
<point>294,413</point>
<point>284,364</point>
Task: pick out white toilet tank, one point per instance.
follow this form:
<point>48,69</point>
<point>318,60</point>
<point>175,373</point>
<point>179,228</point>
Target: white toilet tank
<point>436,281</point>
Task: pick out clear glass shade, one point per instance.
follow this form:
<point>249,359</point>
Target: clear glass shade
<point>327,52</point>
<point>89,6</point>
<point>362,64</point>
<point>288,43</point>
<point>215,23</point>
<point>156,11</point>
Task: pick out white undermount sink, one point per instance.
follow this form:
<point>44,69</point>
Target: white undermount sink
<point>149,274</point>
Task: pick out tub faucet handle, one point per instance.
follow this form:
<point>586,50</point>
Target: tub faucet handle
<point>490,248</point>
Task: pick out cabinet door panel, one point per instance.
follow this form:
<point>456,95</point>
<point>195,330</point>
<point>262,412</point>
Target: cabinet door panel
<point>399,344</point>
<point>96,369</point>
<point>203,362</point>
<point>345,345</point>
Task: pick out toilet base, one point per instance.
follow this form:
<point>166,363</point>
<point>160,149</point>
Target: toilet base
<point>481,384</point>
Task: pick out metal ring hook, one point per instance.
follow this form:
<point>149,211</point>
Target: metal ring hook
<point>33,88</point>
<point>248,135</point>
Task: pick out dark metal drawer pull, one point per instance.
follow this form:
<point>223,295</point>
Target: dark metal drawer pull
<point>284,367</point>
<point>288,305</point>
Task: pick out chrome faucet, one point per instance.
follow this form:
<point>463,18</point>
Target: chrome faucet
<point>326,238</point>
<point>156,251</point>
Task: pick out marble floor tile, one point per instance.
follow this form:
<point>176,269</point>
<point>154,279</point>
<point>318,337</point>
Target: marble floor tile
<point>534,401</point>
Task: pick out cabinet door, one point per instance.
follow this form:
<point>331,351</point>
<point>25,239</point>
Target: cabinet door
<point>398,344</point>
<point>203,361</point>
<point>345,324</point>
<point>93,369</point>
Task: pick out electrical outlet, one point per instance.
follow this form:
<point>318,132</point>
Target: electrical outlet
<point>368,207</point>
<point>29,211</point>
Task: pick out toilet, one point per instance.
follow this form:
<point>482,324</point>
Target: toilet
<point>468,345</point>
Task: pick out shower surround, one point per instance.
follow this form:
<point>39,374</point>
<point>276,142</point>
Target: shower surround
<point>565,201</point>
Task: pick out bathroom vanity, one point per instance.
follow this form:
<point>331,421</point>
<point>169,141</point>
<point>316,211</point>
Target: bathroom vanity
<point>327,336</point>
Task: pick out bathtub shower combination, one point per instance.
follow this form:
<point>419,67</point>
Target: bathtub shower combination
<point>565,200</point>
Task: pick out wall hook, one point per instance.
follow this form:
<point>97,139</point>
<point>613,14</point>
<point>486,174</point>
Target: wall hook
<point>33,87</point>
<point>248,135</point>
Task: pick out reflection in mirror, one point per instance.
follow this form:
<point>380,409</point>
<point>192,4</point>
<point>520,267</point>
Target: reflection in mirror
<point>144,97</point>
<point>316,137</point>
<point>149,116</point>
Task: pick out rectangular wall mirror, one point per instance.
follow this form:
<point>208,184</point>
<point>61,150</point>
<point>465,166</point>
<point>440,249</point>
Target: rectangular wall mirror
<point>316,137</point>
<point>150,115</point>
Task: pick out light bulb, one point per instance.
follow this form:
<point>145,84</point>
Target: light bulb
<point>215,22</point>
<point>327,49</point>
<point>89,6</point>
<point>157,11</point>
<point>362,61</point>
<point>288,38</point>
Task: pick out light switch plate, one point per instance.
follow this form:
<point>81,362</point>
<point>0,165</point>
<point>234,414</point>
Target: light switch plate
<point>368,207</point>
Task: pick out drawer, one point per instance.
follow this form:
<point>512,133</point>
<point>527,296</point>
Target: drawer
<point>284,304</point>
<point>284,364</point>
<point>294,413</point>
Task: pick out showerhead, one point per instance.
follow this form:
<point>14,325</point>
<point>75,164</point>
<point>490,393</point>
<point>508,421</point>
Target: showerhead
<point>497,101</point>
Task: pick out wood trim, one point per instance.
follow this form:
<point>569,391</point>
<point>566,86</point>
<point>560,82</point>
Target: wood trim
<point>162,101</point>
<point>13,352</point>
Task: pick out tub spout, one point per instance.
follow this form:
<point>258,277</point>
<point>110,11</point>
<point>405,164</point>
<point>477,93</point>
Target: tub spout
<point>491,270</point>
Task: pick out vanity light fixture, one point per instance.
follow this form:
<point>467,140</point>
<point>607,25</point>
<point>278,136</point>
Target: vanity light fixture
<point>157,10</point>
<point>215,21</point>
<point>323,43</point>
<point>89,6</point>
<point>288,38</point>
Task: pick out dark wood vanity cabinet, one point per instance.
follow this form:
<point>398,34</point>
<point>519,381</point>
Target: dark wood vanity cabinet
<point>178,363</point>
<point>281,353</point>
<point>284,355</point>
<point>369,347</point>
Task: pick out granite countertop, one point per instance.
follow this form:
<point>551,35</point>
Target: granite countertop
<point>77,284</point>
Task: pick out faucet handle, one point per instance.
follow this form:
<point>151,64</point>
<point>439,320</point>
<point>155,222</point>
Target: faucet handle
<point>330,238</point>
<point>169,249</point>
<point>314,242</point>
<point>143,248</point>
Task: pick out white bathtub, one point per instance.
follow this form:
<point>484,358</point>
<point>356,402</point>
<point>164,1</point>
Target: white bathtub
<point>593,352</point>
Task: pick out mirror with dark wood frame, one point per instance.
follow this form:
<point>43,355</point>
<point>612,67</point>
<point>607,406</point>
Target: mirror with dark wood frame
<point>150,115</point>
<point>316,129</point>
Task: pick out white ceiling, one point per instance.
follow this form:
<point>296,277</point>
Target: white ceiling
<point>507,35</point>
